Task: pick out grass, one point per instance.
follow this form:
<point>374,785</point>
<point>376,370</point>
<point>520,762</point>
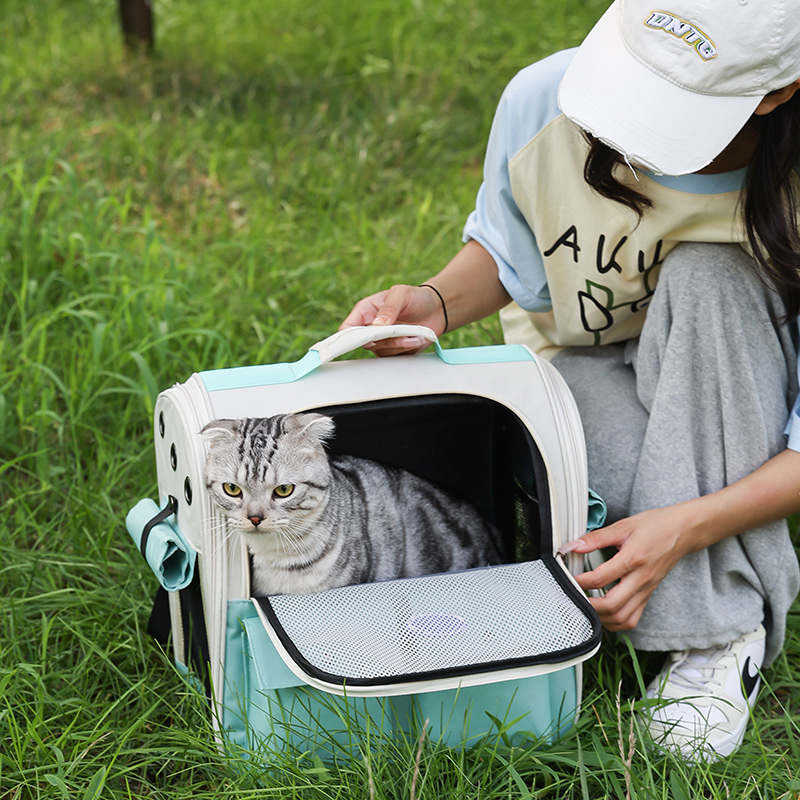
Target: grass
<point>225,203</point>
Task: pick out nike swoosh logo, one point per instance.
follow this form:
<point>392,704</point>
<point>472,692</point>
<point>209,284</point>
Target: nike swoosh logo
<point>748,681</point>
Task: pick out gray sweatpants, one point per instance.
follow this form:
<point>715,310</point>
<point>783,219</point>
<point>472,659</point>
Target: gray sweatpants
<point>697,402</point>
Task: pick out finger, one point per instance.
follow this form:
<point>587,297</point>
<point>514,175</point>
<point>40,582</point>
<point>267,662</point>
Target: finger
<point>393,304</point>
<point>356,318</point>
<point>623,606</point>
<point>408,345</point>
<point>364,311</point>
<point>618,626</point>
<point>624,619</point>
<point>610,536</point>
<point>603,574</point>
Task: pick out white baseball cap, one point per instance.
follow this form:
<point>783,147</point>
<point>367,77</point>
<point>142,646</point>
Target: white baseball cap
<point>670,86</point>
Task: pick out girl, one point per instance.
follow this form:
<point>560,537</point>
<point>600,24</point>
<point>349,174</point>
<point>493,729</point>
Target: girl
<point>637,223</point>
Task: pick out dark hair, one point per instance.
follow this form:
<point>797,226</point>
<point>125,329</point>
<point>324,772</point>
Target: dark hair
<point>598,172</point>
<point>769,206</point>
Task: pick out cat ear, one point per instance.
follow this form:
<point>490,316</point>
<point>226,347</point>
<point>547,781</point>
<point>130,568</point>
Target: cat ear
<point>316,426</point>
<point>220,431</point>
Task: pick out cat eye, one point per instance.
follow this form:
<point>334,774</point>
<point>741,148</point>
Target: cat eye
<point>284,490</point>
<point>231,489</point>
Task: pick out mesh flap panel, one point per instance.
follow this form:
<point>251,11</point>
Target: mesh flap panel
<point>449,624</point>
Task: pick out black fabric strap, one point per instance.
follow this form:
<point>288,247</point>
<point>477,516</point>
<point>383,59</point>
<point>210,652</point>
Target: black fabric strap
<point>195,635</point>
<point>159,624</point>
<point>168,511</point>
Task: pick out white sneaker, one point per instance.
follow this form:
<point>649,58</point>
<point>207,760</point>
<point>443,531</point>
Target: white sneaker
<point>707,696</point>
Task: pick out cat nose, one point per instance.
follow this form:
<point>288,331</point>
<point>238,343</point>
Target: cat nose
<point>256,520</point>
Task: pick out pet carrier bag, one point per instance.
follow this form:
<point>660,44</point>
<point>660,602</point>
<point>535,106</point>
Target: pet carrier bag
<point>493,650</point>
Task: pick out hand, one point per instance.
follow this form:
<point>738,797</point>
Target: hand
<point>413,305</point>
<point>649,545</point>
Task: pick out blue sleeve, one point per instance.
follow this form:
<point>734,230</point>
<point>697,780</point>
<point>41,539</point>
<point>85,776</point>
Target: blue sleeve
<point>792,429</point>
<point>527,105</point>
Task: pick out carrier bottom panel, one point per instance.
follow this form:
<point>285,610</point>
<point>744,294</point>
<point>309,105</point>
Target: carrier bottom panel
<point>450,624</point>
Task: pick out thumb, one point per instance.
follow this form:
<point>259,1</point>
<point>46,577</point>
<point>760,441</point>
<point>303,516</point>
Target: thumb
<point>389,310</point>
<point>387,315</point>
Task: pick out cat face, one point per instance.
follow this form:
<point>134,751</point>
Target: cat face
<point>269,475</point>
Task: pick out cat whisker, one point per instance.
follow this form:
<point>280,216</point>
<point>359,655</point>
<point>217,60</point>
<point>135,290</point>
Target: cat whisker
<point>297,538</point>
<point>291,538</point>
<point>287,540</point>
<point>218,526</point>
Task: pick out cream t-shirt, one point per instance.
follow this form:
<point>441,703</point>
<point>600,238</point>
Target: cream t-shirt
<point>580,268</point>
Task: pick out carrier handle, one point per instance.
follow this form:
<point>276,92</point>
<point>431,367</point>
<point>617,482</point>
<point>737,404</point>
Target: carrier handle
<point>318,354</point>
<point>348,339</point>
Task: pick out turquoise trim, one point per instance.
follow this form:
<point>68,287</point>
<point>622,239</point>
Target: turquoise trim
<point>597,511</point>
<point>491,354</point>
<point>168,553</point>
<point>269,668</point>
<point>190,679</point>
<point>718,183</point>
<point>218,380</point>
<point>266,713</point>
<point>263,375</point>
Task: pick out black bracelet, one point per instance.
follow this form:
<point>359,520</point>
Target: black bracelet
<point>444,307</point>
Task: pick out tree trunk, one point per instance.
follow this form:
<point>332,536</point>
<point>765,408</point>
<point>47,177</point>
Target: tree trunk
<point>137,24</point>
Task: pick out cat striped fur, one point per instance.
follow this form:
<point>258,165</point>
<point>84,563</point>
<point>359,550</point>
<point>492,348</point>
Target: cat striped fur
<point>314,522</point>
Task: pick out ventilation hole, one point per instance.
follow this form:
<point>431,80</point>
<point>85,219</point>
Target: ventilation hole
<point>161,426</point>
<point>187,491</point>
<point>173,458</point>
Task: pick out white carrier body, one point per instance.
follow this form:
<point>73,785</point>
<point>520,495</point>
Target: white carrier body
<point>355,641</point>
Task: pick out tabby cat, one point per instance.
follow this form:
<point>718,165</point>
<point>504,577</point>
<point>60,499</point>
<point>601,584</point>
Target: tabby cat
<point>313,521</point>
